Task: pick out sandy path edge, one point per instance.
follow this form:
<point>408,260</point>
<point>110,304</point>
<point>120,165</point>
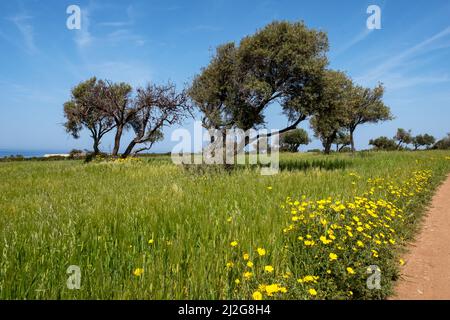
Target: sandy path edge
<point>426,274</point>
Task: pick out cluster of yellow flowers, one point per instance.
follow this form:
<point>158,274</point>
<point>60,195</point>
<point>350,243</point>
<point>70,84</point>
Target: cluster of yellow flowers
<point>126,160</point>
<point>353,233</point>
<point>330,243</point>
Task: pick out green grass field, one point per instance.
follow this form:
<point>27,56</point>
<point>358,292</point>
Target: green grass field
<point>188,232</point>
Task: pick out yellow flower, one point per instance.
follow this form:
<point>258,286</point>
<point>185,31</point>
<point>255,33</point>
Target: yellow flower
<point>309,242</point>
<point>248,275</point>
<point>271,289</point>
<point>237,281</point>
<point>333,256</point>
<point>138,272</point>
<point>257,295</point>
<point>250,264</point>
<point>350,270</point>
<point>246,256</point>
<point>307,279</point>
<point>312,292</point>
<point>230,265</point>
<point>261,251</point>
<point>234,243</point>
<point>325,240</point>
<point>151,241</point>
<point>269,188</point>
<point>401,261</point>
<point>268,269</point>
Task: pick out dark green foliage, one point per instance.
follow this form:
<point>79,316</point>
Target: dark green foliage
<point>403,138</point>
<point>292,140</point>
<point>423,140</point>
<point>331,115</point>
<point>383,143</point>
<point>443,144</point>
<point>322,164</point>
<point>282,63</point>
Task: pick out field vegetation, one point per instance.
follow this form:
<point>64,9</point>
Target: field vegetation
<point>144,228</point>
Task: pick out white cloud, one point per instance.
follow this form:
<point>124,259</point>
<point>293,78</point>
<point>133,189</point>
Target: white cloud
<point>130,20</point>
<point>398,81</point>
<point>124,35</point>
<point>22,22</point>
<point>387,69</point>
<point>119,33</point>
<point>83,37</point>
<point>358,38</point>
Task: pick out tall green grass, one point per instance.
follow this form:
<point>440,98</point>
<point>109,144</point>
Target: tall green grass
<point>101,216</point>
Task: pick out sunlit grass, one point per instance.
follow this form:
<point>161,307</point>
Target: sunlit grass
<point>113,218</point>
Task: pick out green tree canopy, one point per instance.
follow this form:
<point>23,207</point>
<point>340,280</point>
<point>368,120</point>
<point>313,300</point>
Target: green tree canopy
<point>443,144</point>
<point>423,140</point>
<point>367,106</point>
<point>383,143</point>
<point>84,110</point>
<point>292,140</point>
<point>282,63</point>
<point>403,137</point>
<point>332,112</point>
<point>342,140</point>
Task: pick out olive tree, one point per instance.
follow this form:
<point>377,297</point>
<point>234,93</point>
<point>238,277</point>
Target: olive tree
<point>366,107</point>
<point>281,64</point>
<point>331,116</point>
<point>84,110</point>
<point>423,140</point>
<point>292,140</point>
<point>155,107</point>
<point>403,137</point>
<point>383,143</point>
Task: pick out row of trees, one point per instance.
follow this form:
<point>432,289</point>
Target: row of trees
<point>283,64</point>
<point>403,139</point>
<point>101,106</point>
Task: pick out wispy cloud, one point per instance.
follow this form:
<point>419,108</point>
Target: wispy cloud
<point>23,24</point>
<point>115,24</point>
<point>400,81</point>
<point>83,37</point>
<point>358,38</point>
<point>121,31</point>
<point>19,93</point>
<point>123,23</point>
<point>124,35</point>
<point>389,69</point>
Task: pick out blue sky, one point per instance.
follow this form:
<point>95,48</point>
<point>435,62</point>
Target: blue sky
<point>141,41</point>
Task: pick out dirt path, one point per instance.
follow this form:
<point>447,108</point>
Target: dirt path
<point>426,274</point>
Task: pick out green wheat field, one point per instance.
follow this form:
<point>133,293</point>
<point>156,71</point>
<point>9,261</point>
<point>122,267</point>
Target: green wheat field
<point>148,229</point>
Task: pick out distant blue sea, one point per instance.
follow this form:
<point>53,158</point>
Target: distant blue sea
<point>28,153</point>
